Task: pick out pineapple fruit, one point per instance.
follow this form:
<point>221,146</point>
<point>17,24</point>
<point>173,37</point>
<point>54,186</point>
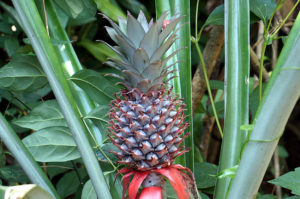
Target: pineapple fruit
<point>146,119</point>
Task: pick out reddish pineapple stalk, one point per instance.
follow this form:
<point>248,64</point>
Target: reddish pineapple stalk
<point>146,119</point>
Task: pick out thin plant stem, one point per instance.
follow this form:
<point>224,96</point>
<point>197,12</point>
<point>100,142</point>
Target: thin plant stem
<point>208,89</point>
<point>97,145</point>
<point>285,19</point>
<point>204,71</point>
<point>268,36</point>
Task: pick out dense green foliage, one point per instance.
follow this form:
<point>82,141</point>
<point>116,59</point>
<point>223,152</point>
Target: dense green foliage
<point>55,95</point>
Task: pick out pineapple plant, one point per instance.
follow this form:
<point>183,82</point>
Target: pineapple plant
<point>146,118</point>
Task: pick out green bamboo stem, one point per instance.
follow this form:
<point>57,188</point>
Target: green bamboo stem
<point>46,54</point>
<point>182,84</point>
<point>24,158</point>
<point>237,64</point>
<point>279,98</point>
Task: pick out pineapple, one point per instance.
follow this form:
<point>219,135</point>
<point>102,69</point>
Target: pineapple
<point>146,119</point>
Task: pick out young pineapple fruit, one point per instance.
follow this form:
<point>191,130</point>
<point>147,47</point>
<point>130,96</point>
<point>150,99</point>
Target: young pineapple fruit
<point>146,119</point>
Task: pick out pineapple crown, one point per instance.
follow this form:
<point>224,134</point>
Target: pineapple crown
<point>140,46</point>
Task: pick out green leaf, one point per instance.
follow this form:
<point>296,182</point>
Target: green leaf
<point>204,196</point>
<point>51,64</point>
<point>106,148</point>
<point>95,85</point>
<point>263,8</point>
<point>290,180</point>
<point>247,127</point>
<point>205,174</point>
<point>56,168</point>
<point>23,73</point>
<point>52,144</point>
<point>88,191</point>
<point>44,115</point>
<point>110,9</point>
<point>266,196</point>
<point>293,197</point>
<point>5,28</point>
<point>99,116</point>
<point>282,152</point>
<point>216,84</point>
<point>230,172</point>
<point>13,174</point>
<point>134,6</point>
<point>69,183</point>
<point>78,8</point>
<point>219,109</point>
<point>216,17</point>
<point>99,50</point>
<point>24,158</point>
<point>11,45</point>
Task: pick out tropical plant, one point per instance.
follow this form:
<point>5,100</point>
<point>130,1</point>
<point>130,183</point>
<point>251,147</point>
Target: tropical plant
<point>164,114</point>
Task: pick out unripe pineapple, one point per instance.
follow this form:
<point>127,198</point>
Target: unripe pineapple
<point>146,120</point>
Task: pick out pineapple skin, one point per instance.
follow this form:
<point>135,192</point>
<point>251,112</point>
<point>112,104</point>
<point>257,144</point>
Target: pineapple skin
<point>146,119</point>
<point>147,128</point>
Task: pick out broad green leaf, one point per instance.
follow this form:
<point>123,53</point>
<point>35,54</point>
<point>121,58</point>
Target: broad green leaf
<point>100,117</point>
<point>78,9</point>
<point>110,9</point>
<point>216,84</point>
<point>23,73</point>
<point>88,191</point>
<point>69,183</point>
<point>11,45</point>
<point>52,144</point>
<point>13,174</point>
<point>290,180</point>
<point>219,108</point>
<point>216,17</point>
<point>44,115</point>
<point>5,28</point>
<point>205,174</point>
<point>11,11</point>
<point>95,85</point>
<point>99,50</point>
<point>204,196</point>
<point>263,8</point>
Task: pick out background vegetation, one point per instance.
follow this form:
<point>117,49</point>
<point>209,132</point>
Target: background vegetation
<point>54,95</point>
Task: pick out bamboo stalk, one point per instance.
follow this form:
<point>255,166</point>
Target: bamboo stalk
<point>237,64</point>
<point>280,96</point>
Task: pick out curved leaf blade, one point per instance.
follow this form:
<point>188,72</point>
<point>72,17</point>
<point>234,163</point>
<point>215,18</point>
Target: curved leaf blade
<point>95,85</point>
<point>52,144</point>
<point>23,73</point>
<point>44,115</point>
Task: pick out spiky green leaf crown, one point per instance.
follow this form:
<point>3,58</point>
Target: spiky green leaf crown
<point>141,46</point>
